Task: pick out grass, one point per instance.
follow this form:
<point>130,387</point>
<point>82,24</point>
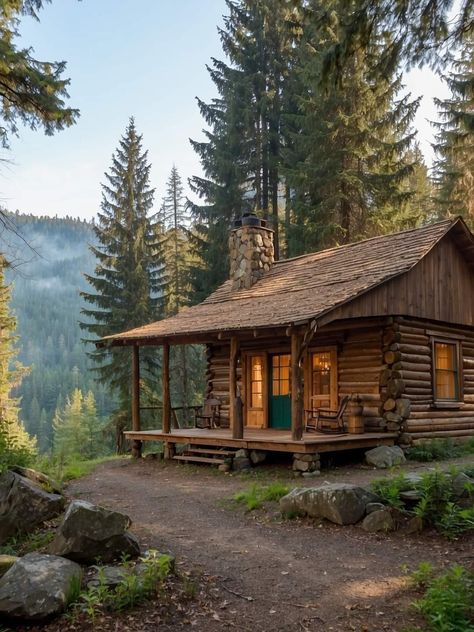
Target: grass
<point>440,450</point>
<point>68,471</point>
<point>21,545</point>
<point>448,600</point>
<point>256,495</point>
<point>135,587</point>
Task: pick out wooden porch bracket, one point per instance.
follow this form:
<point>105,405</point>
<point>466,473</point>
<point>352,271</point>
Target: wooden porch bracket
<point>136,424</point>
<point>235,416</point>
<point>296,388</point>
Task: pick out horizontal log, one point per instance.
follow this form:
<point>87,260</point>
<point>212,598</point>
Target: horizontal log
<point>357,370</point>
<point>409,349</point>
<point>414,339</point>
<point>435,424</point>
<point>411,366</point>
<point>445,414</point>
<point>363,387</point>
<point>439,434</point>
<point>415,357</point>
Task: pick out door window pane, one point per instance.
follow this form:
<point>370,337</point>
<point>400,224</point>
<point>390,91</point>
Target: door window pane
<point>281,374</point>
<point>256,382</point>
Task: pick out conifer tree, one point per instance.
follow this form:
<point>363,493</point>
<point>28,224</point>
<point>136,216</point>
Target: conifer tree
<point>16,446</point>
<point>185,360</point>
<point>454,167</point>
<point>128,277</point>
<point>350,152</point>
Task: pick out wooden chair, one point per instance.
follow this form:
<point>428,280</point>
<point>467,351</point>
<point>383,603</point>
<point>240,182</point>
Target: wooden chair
<point>209,415</point>
<point>328,421</point>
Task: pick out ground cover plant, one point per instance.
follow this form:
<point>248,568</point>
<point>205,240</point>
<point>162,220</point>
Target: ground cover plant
<point>447,603</point>
<point>440,450</point>
<point>256,495</point>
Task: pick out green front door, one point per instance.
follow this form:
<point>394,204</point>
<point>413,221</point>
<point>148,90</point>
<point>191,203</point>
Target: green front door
<point>280,400</point>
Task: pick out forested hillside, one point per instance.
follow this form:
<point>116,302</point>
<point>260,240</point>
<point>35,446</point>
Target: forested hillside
<point>50,257</point>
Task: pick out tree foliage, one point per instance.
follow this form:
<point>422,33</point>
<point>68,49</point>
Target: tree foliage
<point>16,446</point>
<point>32,92</point>
<point>127,284</point>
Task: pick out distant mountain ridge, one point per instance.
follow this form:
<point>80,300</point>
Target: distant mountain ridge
<point>49,256</point>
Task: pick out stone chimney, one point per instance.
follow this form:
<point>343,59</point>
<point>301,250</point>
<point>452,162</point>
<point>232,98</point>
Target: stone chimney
<point>251,251</point>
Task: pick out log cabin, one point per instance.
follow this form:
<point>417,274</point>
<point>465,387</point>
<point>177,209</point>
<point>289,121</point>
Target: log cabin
<point>387,321</point>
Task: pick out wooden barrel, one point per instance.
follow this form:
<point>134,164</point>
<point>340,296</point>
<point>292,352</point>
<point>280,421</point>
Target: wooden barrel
<point>355,424</point>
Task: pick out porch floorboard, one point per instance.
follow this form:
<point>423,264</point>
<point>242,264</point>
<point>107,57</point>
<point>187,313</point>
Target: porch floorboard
<point>267,439</point>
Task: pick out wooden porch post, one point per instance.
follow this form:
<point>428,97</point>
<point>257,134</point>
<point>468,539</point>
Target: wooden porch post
<point>235,418</point>
<point>166,419</point>
<point>296,388</point>
<point>136,425</point>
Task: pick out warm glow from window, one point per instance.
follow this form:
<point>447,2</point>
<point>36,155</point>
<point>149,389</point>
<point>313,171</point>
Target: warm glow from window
<point>321,373</point>
<point>256,382</point>
<point>446,371</point>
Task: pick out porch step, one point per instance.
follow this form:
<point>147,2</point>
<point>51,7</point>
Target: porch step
<point>192,449</point>
<point>191,458</point>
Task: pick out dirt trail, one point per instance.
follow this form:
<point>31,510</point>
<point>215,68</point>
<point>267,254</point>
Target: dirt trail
<point>288,575</point>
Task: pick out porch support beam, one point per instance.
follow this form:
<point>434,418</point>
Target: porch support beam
<point>136,423</point>
<point>235,412</point>
<point>166,420</point>
<point>296,388</point>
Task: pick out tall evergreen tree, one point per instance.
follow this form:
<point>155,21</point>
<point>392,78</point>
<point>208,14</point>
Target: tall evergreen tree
<point>16,446</point>
<point>350,152</point>
<point>129,273</point>
<point>454,167</point>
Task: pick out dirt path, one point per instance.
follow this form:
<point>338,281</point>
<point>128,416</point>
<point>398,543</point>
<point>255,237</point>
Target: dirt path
<point>288,575</point>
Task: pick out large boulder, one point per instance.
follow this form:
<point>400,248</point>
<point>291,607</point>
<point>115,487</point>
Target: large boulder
<point>341,503</point>
<point>385,456</point>
<point>6,562</point>
<point>38,586</point>
<point>24,505</point>
<point>89,533</point>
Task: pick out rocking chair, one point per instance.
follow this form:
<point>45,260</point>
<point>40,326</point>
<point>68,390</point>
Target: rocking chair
<point>208,416</point>
<point>327,421</point>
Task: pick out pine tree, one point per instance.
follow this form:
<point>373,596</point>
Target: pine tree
<point>129,272</point>
<point>454,167</point>
<point>16,446</point>
<point>350,154</point>
<point>32,92</point>
<point>77,428</point>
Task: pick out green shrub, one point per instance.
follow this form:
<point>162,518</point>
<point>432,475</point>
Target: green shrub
<point>389,489</point>
<point>133,588</point>
<point>448,603</point>
<point>440,450</point>
<point>255,496</point>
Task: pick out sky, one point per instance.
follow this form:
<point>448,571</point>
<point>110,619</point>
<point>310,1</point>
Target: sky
<point>141,58</point>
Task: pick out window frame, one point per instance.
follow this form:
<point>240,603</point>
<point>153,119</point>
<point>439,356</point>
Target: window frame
<point>443,402</point>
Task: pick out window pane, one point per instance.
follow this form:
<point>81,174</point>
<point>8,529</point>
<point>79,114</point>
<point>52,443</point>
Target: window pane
<point>276,387</point>
<point>445,356</point>
<point>285,360</point>
<point>256,383</point>
<point>257,400</point>
<point>321,373</point>
<point>445,384</point>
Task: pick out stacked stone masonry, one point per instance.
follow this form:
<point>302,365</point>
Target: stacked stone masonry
<point>251,255</point>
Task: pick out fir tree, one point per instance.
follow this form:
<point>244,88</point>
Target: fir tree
<point>350,152</point>
<point>129,273</point>
<point>454,167</point>
<point>32,92</point>
<point>16,446</point>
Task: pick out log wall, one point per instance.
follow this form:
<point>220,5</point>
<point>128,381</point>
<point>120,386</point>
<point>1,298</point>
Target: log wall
<point>360,363</point>
<point>414,363</point>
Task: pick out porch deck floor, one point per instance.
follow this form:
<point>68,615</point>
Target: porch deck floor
<point>267,439</point>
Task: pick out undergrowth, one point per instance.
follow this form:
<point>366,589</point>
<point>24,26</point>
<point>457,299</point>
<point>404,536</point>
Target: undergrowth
<point>256,495</point>
<point>448,600</point>
<point>137,584</point>
<point>440,450</point>
<point>23,544</point>
<point>438,505</point>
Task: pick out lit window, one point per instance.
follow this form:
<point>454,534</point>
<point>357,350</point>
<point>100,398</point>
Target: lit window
<point>256,382</point>
<point>447,383</point>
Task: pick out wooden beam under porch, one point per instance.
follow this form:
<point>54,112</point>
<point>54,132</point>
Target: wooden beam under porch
<point>266,439</point>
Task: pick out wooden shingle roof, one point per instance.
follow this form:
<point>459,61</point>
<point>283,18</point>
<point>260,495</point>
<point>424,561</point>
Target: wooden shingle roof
<point>301,289</point>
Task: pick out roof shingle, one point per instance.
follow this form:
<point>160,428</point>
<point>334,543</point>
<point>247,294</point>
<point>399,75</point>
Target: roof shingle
<point>300,289</point>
